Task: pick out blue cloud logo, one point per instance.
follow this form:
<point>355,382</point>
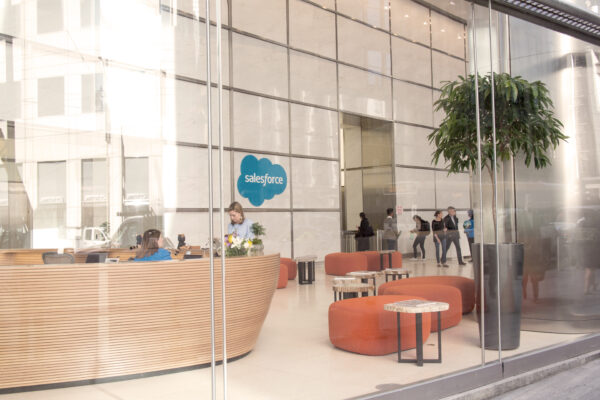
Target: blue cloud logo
<point>260,180</point>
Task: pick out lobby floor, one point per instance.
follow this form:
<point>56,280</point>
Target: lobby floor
<point>293,358</point>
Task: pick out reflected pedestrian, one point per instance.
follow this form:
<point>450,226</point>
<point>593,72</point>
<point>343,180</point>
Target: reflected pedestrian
<point>439,237</point>
<point>452,235</point>
<point>469,227</point>
<point>421,231</point>
<point>390,231</point>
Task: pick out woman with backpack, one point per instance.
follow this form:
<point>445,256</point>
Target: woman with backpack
<point>421,231</point>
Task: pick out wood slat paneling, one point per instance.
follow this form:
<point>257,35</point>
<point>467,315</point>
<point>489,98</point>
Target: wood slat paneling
<point>64,323</point>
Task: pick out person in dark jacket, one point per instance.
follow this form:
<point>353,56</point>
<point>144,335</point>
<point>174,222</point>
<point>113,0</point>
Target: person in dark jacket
<point>421,231</point>
<point>439,237</point>
<point>452,235</point>
<point>365,230</point>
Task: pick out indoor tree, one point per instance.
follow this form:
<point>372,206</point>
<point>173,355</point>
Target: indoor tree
<point>524,116</point>
<point>525,128</point>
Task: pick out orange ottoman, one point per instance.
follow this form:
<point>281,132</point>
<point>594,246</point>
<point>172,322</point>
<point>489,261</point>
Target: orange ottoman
<point>374,260</point>
<point>283,276</point>
<point>465,285</point>
<point>362,326</point>
<point>443,293</point>
<point>341,263</point>
<point>292,267</point>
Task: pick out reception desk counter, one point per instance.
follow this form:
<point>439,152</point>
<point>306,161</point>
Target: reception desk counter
<point>83,322</point>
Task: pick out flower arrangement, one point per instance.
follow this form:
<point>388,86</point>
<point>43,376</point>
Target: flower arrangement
<point>237,246</point>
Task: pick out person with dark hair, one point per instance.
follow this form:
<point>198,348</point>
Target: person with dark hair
<point>421,231</point>
<point>390,231</point>
<point>151,249</point>
<point>452,235</point>
<point>239,226</point>
<point>469,227</point>
<point>439,237</point>
<point>365,230</point>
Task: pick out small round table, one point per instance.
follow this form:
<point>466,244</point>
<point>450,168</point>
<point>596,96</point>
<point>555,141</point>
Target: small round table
<point>343,290</point>
<point>418,307</point>
<point>396,273</point>
<point>364,277</point>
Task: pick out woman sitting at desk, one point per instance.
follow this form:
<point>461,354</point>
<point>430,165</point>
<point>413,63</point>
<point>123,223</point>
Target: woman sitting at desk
<point>151,250</point>
<point>239,226</point>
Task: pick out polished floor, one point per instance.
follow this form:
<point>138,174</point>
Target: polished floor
<point>294,359</point>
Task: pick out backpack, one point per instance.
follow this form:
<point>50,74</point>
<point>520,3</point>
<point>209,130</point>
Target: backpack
<point>425,227</point>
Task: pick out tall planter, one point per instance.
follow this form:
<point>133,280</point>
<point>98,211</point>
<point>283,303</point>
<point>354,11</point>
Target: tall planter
<point>510,277</point>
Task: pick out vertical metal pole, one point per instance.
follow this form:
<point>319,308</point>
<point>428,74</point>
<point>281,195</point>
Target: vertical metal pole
<point>210,205</point>
<point>495,183</point>
<point>481,261</point>
<point>221,205</point>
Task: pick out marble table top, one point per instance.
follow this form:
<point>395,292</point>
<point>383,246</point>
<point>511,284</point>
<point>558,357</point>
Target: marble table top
<point>344,280</point>
<point>364,274</point>
<point>396,271</point>
<point>416,306</point>
<point>308,258</point>
<point>386,251</point>
<point>353,287</point>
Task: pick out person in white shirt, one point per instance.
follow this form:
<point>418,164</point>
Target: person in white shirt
<point>390,231</point>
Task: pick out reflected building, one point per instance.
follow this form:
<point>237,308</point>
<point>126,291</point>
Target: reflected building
<point>557,207</point>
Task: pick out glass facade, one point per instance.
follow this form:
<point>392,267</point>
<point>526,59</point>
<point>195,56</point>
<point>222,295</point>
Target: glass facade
<point>107,117</point>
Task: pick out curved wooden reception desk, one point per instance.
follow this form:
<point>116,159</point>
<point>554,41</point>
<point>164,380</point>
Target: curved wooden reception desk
<point>84,322</point>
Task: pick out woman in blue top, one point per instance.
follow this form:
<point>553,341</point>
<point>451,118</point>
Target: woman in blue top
<point>239,226</point>
<point>469,227</point>
<point>151,250</point>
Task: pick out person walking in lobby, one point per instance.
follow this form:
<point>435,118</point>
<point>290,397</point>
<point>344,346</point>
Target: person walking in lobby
<point>390,231</point>
<point>239,226</point>
<point>439,237</point>
<point>452,235</point>
<point>421,231</point>
<point>152,247</point>
<point>365,231</point>
<point>469,227</point>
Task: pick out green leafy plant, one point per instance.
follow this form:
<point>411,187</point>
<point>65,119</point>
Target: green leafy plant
<point>524,116</point>
<point>258,230</point>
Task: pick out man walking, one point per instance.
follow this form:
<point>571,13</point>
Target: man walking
<point>390,231</point>
<point>452,235</point>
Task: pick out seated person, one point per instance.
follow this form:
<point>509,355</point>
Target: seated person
<point>239,226</point>
<point>151,250</point>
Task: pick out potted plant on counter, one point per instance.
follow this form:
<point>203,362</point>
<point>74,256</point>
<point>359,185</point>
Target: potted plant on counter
<point>257,244</point>
<point>526,129</point>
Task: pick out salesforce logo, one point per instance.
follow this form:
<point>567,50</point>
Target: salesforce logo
<point>260,180</point>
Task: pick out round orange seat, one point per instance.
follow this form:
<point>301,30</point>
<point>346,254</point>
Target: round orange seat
<point>283,276</point>
<point>341,263</point>
<point>291,266</point>
<point>362,326</point>
<point>443,293</point>
<point>465,285</point>
<point>374,260</point>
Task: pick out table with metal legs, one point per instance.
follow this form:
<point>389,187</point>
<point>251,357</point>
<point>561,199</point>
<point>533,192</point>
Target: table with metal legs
<point>396,273</point>
<point>418,307</point>
<point>382,253</point>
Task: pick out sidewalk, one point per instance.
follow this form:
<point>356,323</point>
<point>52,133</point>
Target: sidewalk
<point>580,383</point>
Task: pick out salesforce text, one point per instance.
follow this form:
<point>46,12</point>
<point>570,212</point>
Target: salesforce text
<point>264,179</point>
